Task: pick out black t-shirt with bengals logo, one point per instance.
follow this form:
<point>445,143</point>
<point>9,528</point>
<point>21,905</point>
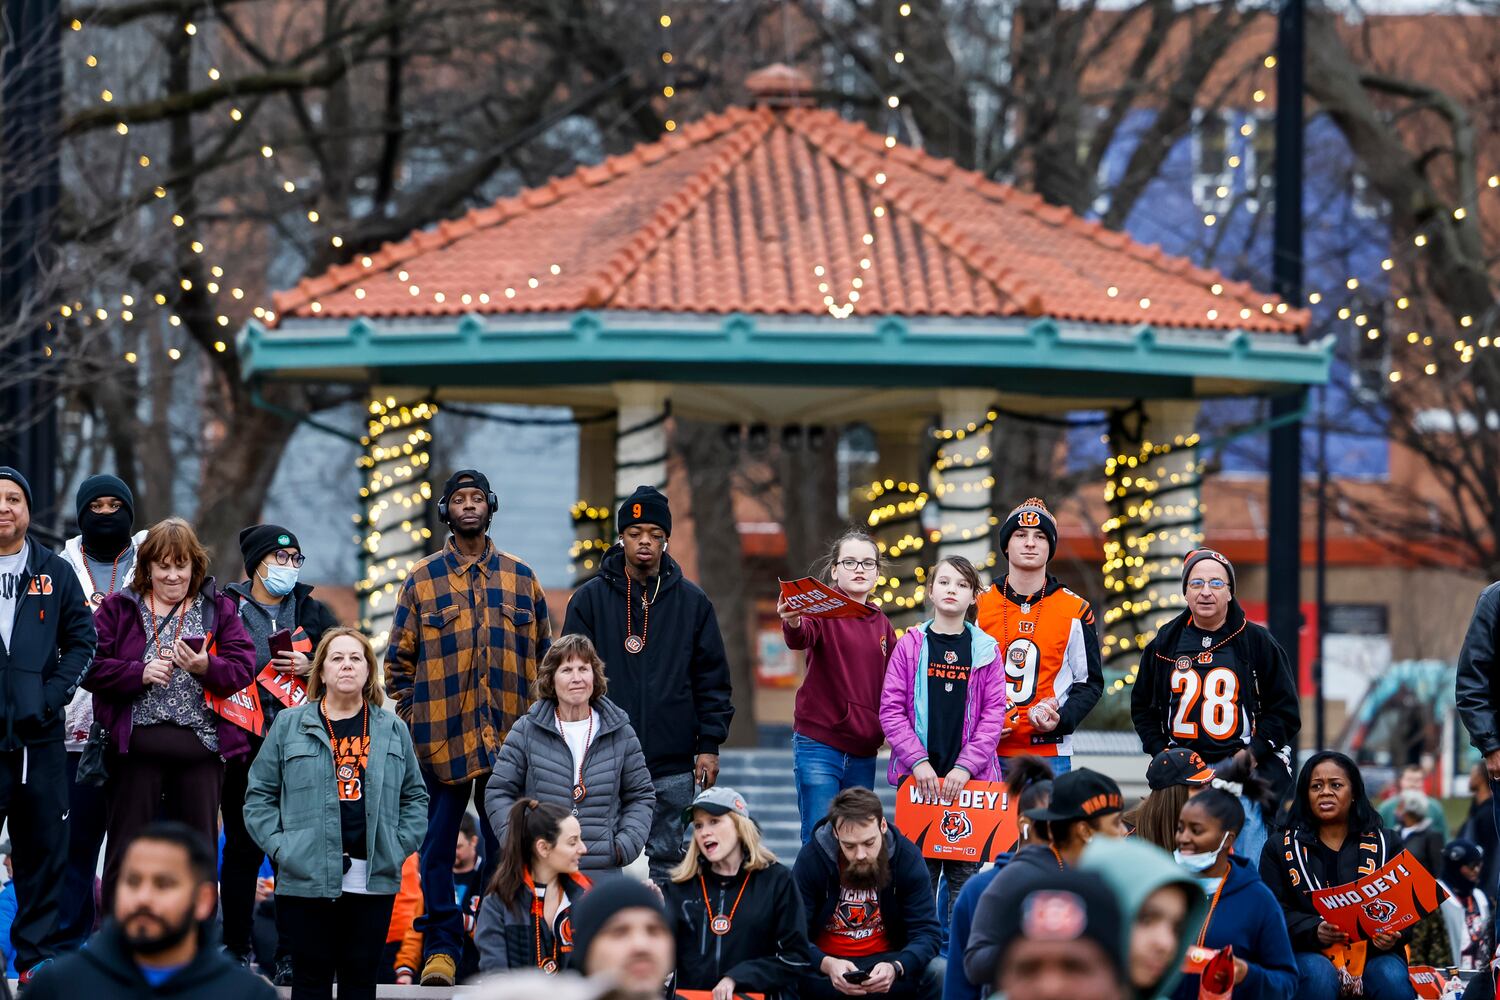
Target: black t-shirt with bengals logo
<point>351,754</point>
<point>949,660</point>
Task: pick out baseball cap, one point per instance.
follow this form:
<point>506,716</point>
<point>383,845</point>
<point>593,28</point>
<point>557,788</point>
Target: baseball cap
<point>717,801</point>
<point>1080,794</point>
<point>1458,853</point>
<point>1178,766</point>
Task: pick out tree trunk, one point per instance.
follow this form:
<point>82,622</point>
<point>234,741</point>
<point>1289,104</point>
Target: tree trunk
<point>809,491</point>
<point>721,565</point>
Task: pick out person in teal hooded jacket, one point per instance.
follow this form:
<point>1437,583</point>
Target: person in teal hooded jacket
<point>1163,909</point>
<point>1242,912</point>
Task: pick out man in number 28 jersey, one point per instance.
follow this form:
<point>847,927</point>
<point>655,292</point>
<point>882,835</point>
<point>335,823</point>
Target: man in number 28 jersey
<point>1053,672</point>
<point>1213,682</point>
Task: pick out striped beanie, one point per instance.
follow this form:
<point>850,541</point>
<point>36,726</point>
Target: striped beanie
<point>1032,513</point>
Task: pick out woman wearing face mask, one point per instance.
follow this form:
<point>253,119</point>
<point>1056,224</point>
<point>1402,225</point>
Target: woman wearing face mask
<point>1163,909</point>
<point>1242,912</point>
<point>1333,836</point>
<point>103,557</point>
<point>271,600</point>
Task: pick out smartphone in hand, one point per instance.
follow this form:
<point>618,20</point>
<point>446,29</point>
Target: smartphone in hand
<point>195,642</point>
<point>280,643</point>
<point>856,977</point>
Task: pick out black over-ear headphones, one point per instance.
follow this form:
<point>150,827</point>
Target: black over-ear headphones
<point>490,498</point>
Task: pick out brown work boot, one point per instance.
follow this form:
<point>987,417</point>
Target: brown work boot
<point>439,970</point>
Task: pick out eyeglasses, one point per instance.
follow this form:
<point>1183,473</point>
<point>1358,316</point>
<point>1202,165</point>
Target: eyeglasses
<point>1197,584</point>
<point>853,564</point>
<point>285,558</point>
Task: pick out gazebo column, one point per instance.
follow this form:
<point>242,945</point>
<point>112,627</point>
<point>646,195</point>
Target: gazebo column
<point>894,504</point>
<point>641,444</point>
<point>393,502</point>
<point>1152,490</point>
<point>593,512</point>
<point>961,476</point>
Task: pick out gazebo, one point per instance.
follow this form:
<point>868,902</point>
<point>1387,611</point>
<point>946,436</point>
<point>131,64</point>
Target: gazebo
<point>778,264</point>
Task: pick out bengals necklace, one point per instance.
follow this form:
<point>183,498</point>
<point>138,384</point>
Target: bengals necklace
<point>636,643</point>
<point>97,596</point>
<point>720,924</point>
<point>538,909</point>
<point>151,613</point>
<point>1024,602</point>
<point>1207,656</point>
<point>579,790</point>
<point>344,765</point>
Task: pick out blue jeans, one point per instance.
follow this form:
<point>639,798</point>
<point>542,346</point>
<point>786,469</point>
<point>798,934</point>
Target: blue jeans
<point>821,772</point>
<point>1061,764</point>
<point>441,924</point>
<point>1386,978</point>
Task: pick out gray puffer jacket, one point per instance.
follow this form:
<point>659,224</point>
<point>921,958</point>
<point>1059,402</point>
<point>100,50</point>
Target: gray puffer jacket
<point>535,762</point>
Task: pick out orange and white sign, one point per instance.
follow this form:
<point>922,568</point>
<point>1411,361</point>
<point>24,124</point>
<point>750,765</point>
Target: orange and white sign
<point>820,600</point>
<point>241,708</point>
<point>1391,898</point>
<point>979,825</point>
<point>1428,982</point>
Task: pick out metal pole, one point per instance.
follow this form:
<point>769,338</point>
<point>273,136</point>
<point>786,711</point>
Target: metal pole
<point>1320,707</point>
<point>1284,551</point>
<point>30,94</point>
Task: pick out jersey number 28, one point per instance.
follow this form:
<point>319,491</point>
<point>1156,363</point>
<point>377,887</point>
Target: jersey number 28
<point>1217,691</point>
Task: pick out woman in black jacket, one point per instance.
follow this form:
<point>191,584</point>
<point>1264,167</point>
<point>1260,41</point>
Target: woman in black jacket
<point>735,912</point>
<point>1333,837</point>
<point>525,921</point>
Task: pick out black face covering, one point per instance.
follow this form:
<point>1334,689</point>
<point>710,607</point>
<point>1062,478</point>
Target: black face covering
<point>105,536</point>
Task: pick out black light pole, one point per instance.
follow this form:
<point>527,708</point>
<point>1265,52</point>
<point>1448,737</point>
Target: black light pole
<point>1320,708</point>
<point>30,102</point>
<point>1284,551</point>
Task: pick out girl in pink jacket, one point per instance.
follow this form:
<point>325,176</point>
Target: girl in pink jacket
<point>943,703</point>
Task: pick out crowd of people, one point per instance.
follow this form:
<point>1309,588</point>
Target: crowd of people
<point>470,806</point>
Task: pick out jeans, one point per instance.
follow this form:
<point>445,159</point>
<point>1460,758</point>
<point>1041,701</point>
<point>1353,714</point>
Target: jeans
<point>951,875</point>
<point>1061,764</point>
<point>329,938</point>
<point>441,924</point>
<point>821,772</point>
<point>674,793</point>
<point>88,814</point>
<point>1386,978</point>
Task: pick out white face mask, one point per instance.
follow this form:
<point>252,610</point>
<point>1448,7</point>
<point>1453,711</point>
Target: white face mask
<point>1199,863</point>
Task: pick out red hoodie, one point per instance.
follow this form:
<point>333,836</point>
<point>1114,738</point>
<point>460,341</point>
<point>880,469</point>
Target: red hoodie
<point>839,701</point>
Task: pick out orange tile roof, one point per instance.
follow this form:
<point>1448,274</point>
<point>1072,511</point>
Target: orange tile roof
<point>734,212</point>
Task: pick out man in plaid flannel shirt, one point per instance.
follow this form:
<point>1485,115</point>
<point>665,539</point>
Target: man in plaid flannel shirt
<point>470,628</point>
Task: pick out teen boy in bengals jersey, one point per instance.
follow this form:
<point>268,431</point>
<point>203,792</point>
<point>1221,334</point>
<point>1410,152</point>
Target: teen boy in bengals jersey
<point>1053,672</point>
<point>1214,682</point>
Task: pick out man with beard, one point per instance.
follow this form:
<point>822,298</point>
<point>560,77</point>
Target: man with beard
<point>159,942</point>
<point>469,630</point>
<point>871,915</point>
<point>665,663</point>
<point>103,557</point>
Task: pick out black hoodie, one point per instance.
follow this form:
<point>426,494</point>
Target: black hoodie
<point>106,969</point>
<point>51,647</point>
<point>1264,695</point>
<point>766,949</point>
<point>676,690</point>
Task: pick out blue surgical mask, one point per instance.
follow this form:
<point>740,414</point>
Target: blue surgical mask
<point>280,580</point>
<point>1197,864</point>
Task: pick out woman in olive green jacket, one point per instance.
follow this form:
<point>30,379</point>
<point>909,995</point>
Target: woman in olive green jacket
<point>337,801</point>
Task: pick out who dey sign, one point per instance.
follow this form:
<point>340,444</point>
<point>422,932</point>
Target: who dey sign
<point>978,825</point>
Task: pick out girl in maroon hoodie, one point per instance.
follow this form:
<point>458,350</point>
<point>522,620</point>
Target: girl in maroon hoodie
<point>837,717</point>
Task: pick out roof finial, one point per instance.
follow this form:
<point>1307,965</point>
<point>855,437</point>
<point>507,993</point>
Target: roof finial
<point>780,86</point>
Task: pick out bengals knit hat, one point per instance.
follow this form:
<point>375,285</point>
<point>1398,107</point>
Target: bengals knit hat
<point>1067,905</point>
<point>1080,794</point>
<point>606,900</point>
<point>647,505</point>
<point>1178,766</point>
<point>1196,556</point>
<point>1033,513</point>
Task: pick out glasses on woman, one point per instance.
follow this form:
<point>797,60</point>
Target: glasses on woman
<point>1196,584</point>
<point>853,564</point>
<point>285,558</point>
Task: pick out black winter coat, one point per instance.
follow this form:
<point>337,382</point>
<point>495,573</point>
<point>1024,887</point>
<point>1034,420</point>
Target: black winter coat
<point>1294,891</point>
<point>676,690</point>
<point>506,933</point>
<point>51,647</point>
<point>982,952</point>
<point>766,949</point>
<point>907,906</point>
<point>312,616</point>
<point>1268,692</point>
<point>1478,685</point>
<point>105,969</point>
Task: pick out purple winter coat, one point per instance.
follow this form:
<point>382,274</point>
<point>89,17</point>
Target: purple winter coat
<point>984,713</point>
<point>119,661</point>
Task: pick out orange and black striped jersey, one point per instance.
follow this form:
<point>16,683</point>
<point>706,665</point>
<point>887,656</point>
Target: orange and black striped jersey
<point>1050,649</point>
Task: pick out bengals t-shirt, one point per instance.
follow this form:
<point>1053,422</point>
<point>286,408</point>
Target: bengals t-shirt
<point>856,928</point>
<point>351,755</point>
<point>949,660</point>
